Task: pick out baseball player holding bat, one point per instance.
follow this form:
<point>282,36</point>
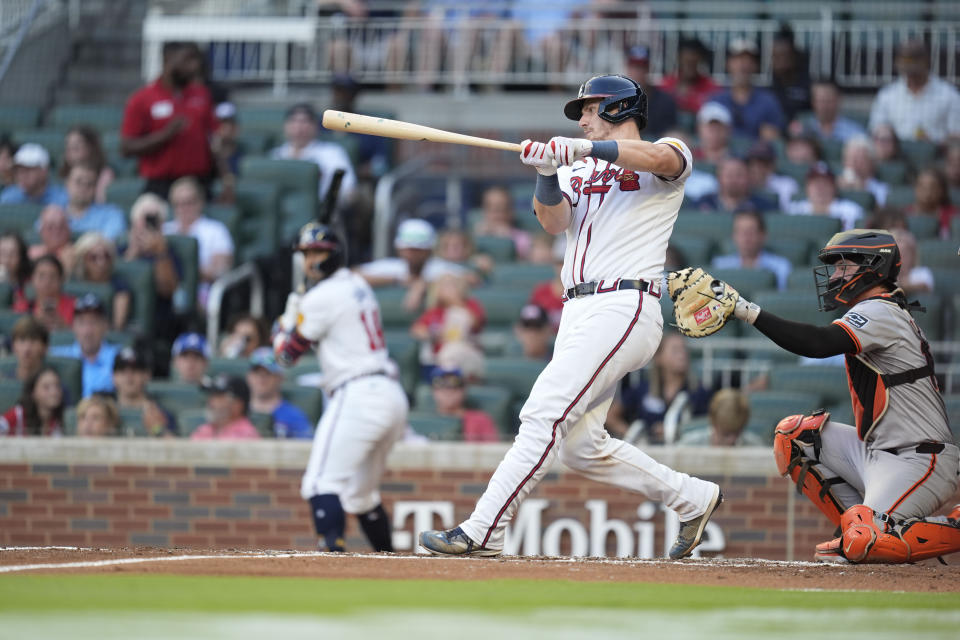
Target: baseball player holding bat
<point>879,479</point>
<point>616,198</point>
<point>365,411</point>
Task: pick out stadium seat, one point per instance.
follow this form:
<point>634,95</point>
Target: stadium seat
<point>796,250</point>
<point>801,280</point>
<point>695,249</point>
<point>499,248</point>
<point>768,407</point>
<point>102,290</point>
<point>8,318</point>
<point>747,281</point>
<point>297,208</point>
<point>185,248</point>
<point>796,171</point>
<point>103,117</point>
<point>900,196</point>
<point>6,295</point>
<point>841,412</point>
<point>492,399</point>
<point>404,349</point>
<point>435,427</point>
<point>131,422</point>
<point>952,402</point>
<point>920,153</point>
<point>255,142</point>
<point>190,419</point>
<point>514,374</point>
<point>70,421</point>
<point>49,139</point>
<point>266,119</point>
<point>9,394</point>
<point>893,172</point>
<point>817,229</point>
<point>289,175</point>
<point>945,281</point>
<point>955,226</point>
<point>228,366</point>
<point>307,399</point>
<point>14,117</point>
<point>138,274</point>
<point>264,424</point>
<point>923,227</point>
<point>832,150</point>
<point>71,374</point>
<point>19,217</point>
<point>173,395</point>
<point>259,220</point>
<point>521,274</point>
<point>123,192</point>
<point>829,384</point>
<point>932,322</point>
<point>228,214</point>
<point>502,306</point>
<point>938,253</point>
<point>717,226</point>
<point>393,315</point>
<point>861,197</point>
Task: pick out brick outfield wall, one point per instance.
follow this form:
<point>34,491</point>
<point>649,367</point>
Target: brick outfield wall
<point>245,507</point>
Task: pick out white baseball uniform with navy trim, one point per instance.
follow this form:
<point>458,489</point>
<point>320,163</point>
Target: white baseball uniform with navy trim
<point>620,226</point>
<point>365,411</point>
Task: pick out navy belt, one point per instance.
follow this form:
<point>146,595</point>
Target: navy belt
<point>589,288</point>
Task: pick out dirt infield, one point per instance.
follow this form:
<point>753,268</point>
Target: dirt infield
<point>926,577</point>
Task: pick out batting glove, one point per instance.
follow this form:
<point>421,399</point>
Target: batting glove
<point>538,156</point>
<point>288,321</point>
<point>566,151</point>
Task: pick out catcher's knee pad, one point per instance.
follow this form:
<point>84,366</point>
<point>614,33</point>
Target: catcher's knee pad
<point>908,541</point>
<point>794,460</point>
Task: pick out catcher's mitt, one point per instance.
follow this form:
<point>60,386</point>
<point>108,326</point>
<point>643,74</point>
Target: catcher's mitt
<point>701,303</point>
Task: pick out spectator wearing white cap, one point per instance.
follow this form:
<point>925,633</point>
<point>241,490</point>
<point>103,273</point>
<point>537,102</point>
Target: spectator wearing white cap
<point>756,112</point>
<point>31,175</point>
<point>415,266</point>
<point>714,125</point>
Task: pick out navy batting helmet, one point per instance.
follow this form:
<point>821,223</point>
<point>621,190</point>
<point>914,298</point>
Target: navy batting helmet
<point>876,255</point>
<point>615,92</point>
<point>320,237</point>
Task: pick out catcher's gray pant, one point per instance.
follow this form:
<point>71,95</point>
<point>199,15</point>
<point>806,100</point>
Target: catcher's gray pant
<point>601,339</point>
<point>905,484</point>
<point>359,427</point>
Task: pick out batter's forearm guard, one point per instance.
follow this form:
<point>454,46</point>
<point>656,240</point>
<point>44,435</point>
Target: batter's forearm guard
<point>607,150</point>
<point>548,190</point>
<point>293,347</point>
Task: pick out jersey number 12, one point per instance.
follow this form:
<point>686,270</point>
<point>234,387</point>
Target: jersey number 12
<point>371,324</point>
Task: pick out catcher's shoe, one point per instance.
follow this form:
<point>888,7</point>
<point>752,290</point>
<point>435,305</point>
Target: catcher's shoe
<point>830,551</point>
<point>691,531</point>
<point>453,542</point>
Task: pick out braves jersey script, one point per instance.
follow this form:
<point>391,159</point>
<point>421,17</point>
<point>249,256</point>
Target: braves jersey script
<point>888,342</point>
<point>342,315</point>
<point>622,220</point>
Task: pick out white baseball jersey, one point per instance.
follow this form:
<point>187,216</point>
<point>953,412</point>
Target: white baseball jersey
<point>342,315</point>
<point>622,220</point>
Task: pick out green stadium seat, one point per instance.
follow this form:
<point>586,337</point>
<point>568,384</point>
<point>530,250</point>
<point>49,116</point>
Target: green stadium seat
<point>920,153</point>
<point>718,225</point>
<point>796,171</point>
<point>228,366</point>
<point>932,322</point>
<point>131,422</point>
<point>841,412</point>
<point>893,172</point>
<point>138,274</point>
<point>71,374</point>
<point>102,290</point>
<point>695,249</point>
<point>307,399</point>
<point>8,318</point>
<point>13,116</point>
<point>861,197</point>
<point>767,408</point>
<point>492,399</point>
<point>268,119</point>
<point>103,117</point>
<point>185,248</point>
<point>49,139</point>
<point>20,217</point>
<point>297,208</point>
<point>938,253</point>
<point>747,281</point>
<point>521,274</point>
<point>435,427</point>
<point>123,192</point>
<point>393,315</point>
<point>499,248</point>
<point>289,175</point>
<point>923,227</point>
<point>9,394</point>
<point>70,421</point>
<point>190,420</point>
<point>6,295</point>
<point>829,384</point>
<point>817,229</point>
<point>517,375</point>
<point>801,282</point>
<point>796,250</point>
<point>264,424</point>
<point>228,214</point>
<point>952,402</point>
<point>832,150</point>
<point>404,349</point>
<point>900,196</point>
<point>254,141</point>
<point>501,305</point>
<point>945,281</point>
<point>173,395</point>
<point>258,203</point>
<point>955,225</point>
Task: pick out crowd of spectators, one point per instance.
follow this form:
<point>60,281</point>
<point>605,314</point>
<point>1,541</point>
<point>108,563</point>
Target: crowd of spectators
<point>788,149</point>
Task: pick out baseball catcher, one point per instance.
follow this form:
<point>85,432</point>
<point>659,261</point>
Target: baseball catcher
<point>879,479</point>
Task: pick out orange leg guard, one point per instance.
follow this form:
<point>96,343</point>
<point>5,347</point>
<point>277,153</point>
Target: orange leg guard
<point>794,461</point>
<point>910,541</point>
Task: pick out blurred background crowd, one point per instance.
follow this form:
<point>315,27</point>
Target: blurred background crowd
<point>144,243</point>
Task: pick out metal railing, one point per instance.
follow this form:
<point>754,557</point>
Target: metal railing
<point>238,275</point>
<point>483,44</point>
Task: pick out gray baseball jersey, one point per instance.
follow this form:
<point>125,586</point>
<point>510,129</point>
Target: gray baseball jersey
<point>892,411</point>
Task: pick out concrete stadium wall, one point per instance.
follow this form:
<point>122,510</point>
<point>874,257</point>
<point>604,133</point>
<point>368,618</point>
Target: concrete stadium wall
<point>246,495</point>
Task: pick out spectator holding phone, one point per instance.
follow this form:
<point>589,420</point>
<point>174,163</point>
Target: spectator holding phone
<point>147,242</point>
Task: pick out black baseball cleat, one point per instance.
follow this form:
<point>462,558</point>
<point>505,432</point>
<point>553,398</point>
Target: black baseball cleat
<point>453,542</point>
<point>691,531</point>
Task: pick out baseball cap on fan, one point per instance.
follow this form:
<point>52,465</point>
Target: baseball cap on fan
<point>820,170</point>
<point>739,46</point>
<point>533,316</point>
<point>638,54</point>
<point>714,112</point>
<point>263,358</point>
<point>190,343</point>
<point>415,234</point>
<point>31,154</point>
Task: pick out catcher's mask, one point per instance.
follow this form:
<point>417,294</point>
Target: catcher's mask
<point>319,237</point>
<point>877,260</point>
<point>616,92</point>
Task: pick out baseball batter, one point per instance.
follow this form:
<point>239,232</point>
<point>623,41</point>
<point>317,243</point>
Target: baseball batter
<point>616,197</point>
<point>366,408</point>
<point>879,479</point>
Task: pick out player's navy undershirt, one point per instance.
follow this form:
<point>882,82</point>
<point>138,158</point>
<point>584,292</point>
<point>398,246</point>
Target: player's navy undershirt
<point>805,339</point>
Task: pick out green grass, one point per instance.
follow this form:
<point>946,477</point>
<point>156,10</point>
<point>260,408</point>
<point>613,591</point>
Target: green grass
<point>333,597</point>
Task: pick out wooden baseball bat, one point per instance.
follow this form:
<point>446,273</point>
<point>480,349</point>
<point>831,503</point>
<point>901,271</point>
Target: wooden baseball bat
<point>356,123</point>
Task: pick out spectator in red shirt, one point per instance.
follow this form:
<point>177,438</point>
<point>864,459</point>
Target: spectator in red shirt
<point>690,86</point>
<point>39,411</point>
<point>449,398</point>
<point>451,315</point>
<point>168,123</point>
<point>50,306</point>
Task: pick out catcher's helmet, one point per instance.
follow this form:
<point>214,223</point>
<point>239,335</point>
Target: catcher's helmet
<point>616,92</point>
<point>876,253</point>
<point>320,237</point>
